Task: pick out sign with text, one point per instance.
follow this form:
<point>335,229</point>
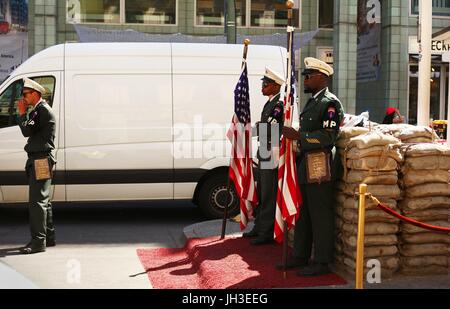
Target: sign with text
<point>13,35</point>
<point>368,41</point>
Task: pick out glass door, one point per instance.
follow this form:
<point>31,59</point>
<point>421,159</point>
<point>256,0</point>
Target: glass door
<point>438,92</point>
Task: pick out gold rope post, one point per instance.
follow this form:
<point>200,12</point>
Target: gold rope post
<point>360,242</point>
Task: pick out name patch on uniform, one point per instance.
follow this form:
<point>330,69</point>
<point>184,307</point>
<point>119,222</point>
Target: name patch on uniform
<point>329,124</point>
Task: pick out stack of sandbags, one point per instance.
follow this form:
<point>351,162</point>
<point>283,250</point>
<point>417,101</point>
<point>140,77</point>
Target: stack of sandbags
<point>426,183</point>
<point>372,158</point>
<point>408,133</point>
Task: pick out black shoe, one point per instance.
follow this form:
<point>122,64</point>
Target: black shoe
<point>292,263</point>
<point>28,249</point>
<point>50,242</point>
<point>252,233</point>
<point>261,241</point>
<point>314,270</point>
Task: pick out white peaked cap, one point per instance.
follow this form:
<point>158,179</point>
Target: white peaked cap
<point>29,83</point>
<point>316,64</point>
<point>275,76</point>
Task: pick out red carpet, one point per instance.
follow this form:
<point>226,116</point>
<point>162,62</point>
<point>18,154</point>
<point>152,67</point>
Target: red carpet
<point>211,263</point>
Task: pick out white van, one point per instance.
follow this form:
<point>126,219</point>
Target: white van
<point>135,121</point>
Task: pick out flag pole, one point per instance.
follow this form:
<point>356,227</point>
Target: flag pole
<point>290,37</point>
<point>227,200</point>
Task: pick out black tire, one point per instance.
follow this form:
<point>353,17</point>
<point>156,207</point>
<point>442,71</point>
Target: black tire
<point>212,196</point>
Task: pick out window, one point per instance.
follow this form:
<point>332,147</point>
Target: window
<point>271,13</point>
<point>11,96</point>
<point>8,104</point>
<point>440,7</point>
<point>154,12</point>
<point>326,14</point>
<point>93,11</point>
<point>211,12</point>
<point>150,12</point>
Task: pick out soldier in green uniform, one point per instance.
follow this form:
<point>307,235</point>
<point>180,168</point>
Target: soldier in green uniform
<point>319,127</point>
<point>268,131</point>
<point>39,126</point>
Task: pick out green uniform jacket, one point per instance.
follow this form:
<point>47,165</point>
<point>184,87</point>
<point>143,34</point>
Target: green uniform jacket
<point>319,128</point>
<point>39,126</point>
<point>272,118</point>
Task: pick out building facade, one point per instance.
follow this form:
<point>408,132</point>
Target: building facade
<point>370,43</point>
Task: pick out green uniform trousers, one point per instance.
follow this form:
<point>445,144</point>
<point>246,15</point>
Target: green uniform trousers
<point>267,193</point>
<point>316,223</point>
<point>39,207</point>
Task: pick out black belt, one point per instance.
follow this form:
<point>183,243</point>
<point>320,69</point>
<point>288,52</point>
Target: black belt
<point>38,154</point>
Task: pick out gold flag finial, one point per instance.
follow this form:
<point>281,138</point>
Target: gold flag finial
<point>290,4</point>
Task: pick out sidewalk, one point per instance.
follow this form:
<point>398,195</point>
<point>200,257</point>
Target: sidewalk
<point>214,228</point>
<point>13,280</point>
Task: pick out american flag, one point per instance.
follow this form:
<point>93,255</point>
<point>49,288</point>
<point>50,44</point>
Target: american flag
<point>289,197</point>
<point>240,135</point>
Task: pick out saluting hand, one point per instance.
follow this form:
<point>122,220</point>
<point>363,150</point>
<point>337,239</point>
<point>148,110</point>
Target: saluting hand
<point>22,107</point>
<point>291,133</point>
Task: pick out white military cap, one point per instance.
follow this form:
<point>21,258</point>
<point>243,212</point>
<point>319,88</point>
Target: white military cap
<point>271,75</point>
<point>313,64</point>
<point>29,83</point>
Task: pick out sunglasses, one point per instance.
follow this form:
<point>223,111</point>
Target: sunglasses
<point>265,84</point>
<point>308,76</point>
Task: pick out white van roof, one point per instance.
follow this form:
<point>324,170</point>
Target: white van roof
<point>192,58</point>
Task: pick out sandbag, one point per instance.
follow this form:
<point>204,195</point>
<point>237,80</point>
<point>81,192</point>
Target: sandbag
<point>371,228</point>
<point>371,215</point>
<point>424,270</point>
<point>373,164</point>
<point>429,189</point>
<point>415,140</point>
<point>426,163</point>
<point>425,238</point>
<point>420,261</point>
<point>418,177</point>
<point>342,144</point>
<point>387,262</point>
<point>370,240</point>
<point>386,191</point>
<point>372,139</point>
<point>353,203</point>
<point>338,222</point>
<point>409,228</point>
<point>392,129</point>
<point>385,273</point>
<point>423,203</point>
<point>349,132</point>
<point>417,132</point>
<point>432,214</point>
<point>372,252</point>
<point>376,151</point>
<point>340,186</point>
<point>423,249</point>
<point>372,177</point>
<point>425,150</point>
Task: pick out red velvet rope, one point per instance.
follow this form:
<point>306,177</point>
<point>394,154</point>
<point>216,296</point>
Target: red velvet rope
<point>411,221</point>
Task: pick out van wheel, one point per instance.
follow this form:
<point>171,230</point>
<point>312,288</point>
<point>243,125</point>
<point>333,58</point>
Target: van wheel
<point>213,195</point>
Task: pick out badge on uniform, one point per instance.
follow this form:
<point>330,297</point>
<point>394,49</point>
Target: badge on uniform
<point>42,169</point>
<point>331,112</point>
<point>318,166</point>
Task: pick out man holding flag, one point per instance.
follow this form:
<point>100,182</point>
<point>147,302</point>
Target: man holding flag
<point>268,131</point>
<point>316,166</point>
